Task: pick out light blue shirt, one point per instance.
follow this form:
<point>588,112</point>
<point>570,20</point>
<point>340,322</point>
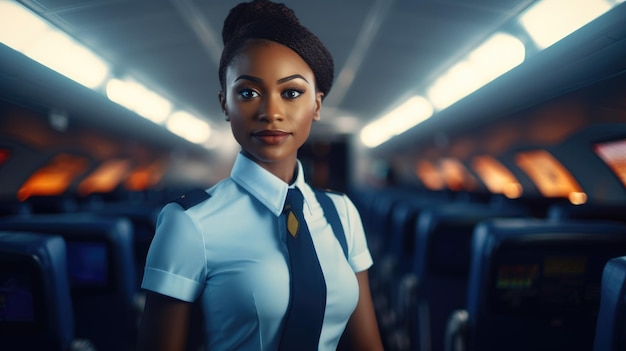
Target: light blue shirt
<point>230,251</point>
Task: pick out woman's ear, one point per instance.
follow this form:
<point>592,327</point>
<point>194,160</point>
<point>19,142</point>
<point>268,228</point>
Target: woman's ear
<point>222,98</point>
<point>318,106</point>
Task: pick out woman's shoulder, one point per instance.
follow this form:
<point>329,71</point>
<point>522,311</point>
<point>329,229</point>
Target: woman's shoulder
<point>341,200</point>
<point>195,199</point>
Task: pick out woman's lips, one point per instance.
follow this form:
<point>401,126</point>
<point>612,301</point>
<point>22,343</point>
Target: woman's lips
<point>271,137</point>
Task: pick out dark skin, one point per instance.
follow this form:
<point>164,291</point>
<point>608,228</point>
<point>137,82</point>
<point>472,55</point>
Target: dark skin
<point>164,323</point>
<point>271,101</point>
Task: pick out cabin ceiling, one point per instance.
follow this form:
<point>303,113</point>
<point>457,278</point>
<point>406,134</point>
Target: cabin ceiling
<point>384,50</point>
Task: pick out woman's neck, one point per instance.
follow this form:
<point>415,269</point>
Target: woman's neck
<point>285,170</point>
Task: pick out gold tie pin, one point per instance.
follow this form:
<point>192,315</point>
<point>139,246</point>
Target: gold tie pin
<point>292,224</point>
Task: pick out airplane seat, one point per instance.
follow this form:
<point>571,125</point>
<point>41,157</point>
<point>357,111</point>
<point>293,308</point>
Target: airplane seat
<point>498,201</point>
<point>143,219</point>
<point>402,241</point>
<point>587,211</point>
<point>377,224</point>
<point>35,308</point>
<point>535,283</point>
<point>101,273</point>
<point>375,206</point>
<point>52,204</point>
<point>394,262</point>
<point>14,208</point>
<point>441,266</point>
<point>376,235</point>
<point>456,331</point>
<point>611,326</point>
<point>363,198</point>
<point>400,280</point>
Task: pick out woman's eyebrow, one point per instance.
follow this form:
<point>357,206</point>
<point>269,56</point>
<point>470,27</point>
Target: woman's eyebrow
<point>291,77</point>
<point>250,78</point>
<point>280,81</point>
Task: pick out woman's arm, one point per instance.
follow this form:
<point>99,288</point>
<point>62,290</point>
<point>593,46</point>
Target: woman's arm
<point>362,328</point>
<point>164,324</point>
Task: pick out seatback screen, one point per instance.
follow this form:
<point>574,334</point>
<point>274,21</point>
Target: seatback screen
<point>88,264</point>
<point>21,299</point>
<point>550,282</point>
<point>16,298</point>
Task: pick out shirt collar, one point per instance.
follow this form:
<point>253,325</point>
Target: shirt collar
<point>270,190</point>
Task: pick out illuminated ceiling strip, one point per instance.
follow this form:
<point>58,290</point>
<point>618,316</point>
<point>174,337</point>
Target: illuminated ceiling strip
<point>31,35</point>
<point>539,19</point>
<point>407,115</point>
<point>502,52</point>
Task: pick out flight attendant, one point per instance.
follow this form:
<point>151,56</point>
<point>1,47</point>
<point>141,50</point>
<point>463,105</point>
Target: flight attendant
<point>273,264</point>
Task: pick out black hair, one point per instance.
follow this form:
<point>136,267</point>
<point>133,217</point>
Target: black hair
<point>266,20</point>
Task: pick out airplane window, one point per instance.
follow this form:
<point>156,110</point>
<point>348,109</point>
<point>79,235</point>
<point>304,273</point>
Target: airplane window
<point>105,178</point>
<point>55,177</point>
<point>614,155</point>
<point>429,175</point>
<point>456,175</point>
<point>550,176</point>
<point>144,177</point>
<point>497,178</point>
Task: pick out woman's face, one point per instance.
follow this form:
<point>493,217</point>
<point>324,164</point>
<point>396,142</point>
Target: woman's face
<point>271,101</point>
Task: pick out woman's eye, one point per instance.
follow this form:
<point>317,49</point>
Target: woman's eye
<point>292,93</point>
<point>248,93</point>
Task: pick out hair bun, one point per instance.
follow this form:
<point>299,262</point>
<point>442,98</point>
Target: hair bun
<point>246,13</point>
<point>263,19</point>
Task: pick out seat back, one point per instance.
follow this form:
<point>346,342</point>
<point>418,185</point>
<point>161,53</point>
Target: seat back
<point>443,251</point>
<point>378,223</point>
<point>611,325</point>
<point>587,212</point>
<point>101,273</point>
<point>377,219</point>
<point>394,276</point>
<point>35,306</point>
<point>143,219</point>
<point>402,239</point>
<point>402,248</point>
<point>379,240</point>
<point>535,284</point>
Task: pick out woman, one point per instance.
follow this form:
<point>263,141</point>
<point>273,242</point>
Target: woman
<point>229,252</point>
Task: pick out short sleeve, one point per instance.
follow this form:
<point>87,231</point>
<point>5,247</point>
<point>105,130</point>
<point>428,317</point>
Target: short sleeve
<point>359,255</point>
<point>176,262</point>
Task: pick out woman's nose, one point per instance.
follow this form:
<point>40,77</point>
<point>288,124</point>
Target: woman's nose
<point>271,109</point>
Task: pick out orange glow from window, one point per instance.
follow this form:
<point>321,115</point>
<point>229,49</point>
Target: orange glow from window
<point>456,175</point>
<point>5,155</point>
<point>577,198</point>
<point>145,177</point>
<point>550,176</point>
<point>429,175</point>
<point>512,190</point>
<point>105,178</point>
<point>53,178</point>
<point>614,155</point>
<point>497,178</point>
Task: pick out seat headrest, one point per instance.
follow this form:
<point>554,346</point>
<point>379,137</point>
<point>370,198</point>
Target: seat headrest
<point>33,275</point>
